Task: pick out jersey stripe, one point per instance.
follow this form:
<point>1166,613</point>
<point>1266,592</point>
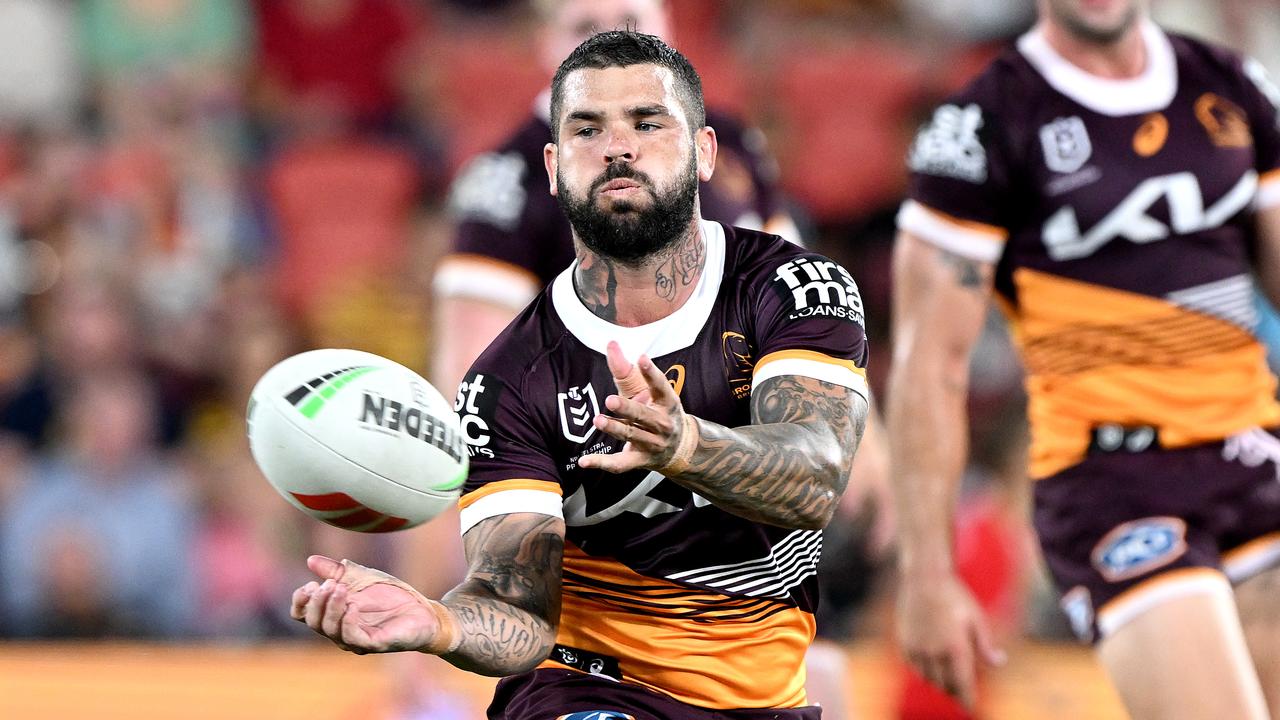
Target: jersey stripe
<point>1268,191</point>
<point>1158,590</point>
<point>510,496</point>
<point>972,240</point>
<point>482,278</point>
<point>1230,299</point>
<point>807,363</point>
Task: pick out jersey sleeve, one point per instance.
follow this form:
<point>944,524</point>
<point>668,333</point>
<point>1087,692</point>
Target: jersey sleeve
<point>810,322</point>
<point>959,188</point>
<point>491,257</point>
<point>1262,97</point>
<point>511,469</point>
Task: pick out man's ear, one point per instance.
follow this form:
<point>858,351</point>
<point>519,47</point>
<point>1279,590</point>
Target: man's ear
<point>551,158</point>
<point>704,142</point>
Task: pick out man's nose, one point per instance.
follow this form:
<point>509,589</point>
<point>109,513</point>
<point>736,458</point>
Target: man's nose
<point>621,146</point>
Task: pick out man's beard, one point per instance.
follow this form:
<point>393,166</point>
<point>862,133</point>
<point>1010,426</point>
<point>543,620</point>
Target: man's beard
<point>626,233</point>
<point>1080,27</point>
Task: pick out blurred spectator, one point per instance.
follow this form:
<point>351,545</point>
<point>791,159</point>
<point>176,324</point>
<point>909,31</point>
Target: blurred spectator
<point>40,78</point>
<point>339,62</point>
<point>97,540</point>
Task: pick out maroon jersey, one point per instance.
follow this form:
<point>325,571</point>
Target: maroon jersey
<point>507,218</point>
<point>675,593</point>
<point>1119,213</point>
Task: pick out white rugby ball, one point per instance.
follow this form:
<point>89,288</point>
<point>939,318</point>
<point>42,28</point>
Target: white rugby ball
<point>356,440</point>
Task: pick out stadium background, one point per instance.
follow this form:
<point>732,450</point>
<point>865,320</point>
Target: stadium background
<point>191,190</point>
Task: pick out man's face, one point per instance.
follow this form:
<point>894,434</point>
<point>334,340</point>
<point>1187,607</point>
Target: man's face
<point>1096,21</point>
<point>626,165</point>
<point>574,21</point>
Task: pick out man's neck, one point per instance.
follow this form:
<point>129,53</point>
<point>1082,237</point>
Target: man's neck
<point>632,295</point>
<point>1120,60</point>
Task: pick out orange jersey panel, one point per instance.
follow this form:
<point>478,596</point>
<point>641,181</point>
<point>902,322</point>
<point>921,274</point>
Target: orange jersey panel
<point>701,648</point>
<point>1099,355</point>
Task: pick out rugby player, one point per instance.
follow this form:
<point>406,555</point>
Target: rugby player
<point>1116,186</point>
<point>666,429</point>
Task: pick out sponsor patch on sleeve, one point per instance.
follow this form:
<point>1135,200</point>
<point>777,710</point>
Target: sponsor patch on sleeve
<point>817,287</point>
<point>476,404</point>
<point>949,145</point>
<point>490,189</point>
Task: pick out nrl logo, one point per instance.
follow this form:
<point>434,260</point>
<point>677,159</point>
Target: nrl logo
<point>577,408</point>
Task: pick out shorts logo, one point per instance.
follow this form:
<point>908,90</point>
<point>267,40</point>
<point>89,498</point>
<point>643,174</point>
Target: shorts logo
<point>1139,547</point>
<point>950,147</point>
<point>1066,144</point>
<point>1077,604</point>
<point>820,288</point>
<point>578,407</point>
<point>597,715</point>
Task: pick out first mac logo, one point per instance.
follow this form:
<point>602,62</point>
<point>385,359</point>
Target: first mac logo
<point>820,288</point>
<point>476,405</point>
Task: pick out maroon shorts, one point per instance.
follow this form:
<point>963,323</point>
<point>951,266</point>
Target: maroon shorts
<point>1134,524</point>
<point>554,694</point>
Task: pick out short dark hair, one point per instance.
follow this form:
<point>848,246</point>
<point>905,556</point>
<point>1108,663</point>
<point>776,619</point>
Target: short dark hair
<point>624,48</point>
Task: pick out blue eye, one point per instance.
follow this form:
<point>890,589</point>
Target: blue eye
<point>646,126</point>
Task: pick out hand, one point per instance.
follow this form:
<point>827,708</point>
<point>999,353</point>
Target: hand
<point>649,417</point>
<point>940,628</point>
<point>363,610</point>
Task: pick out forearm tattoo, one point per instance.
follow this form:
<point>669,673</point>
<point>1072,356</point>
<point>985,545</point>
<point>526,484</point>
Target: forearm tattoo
<point>508,608</point>
<point>970,274</point>
<point>790,466</point>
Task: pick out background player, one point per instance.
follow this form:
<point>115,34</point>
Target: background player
<point>701,588</point>
<point>1112,183</point>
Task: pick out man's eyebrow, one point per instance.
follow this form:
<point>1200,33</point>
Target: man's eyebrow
<point>648,110</point>
<point>585,115</point>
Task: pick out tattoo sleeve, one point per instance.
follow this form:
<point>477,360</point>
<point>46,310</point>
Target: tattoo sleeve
<point>508,607</point>
<point>790,466</point>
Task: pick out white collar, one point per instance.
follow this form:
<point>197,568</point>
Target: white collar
<point>1153,90</point>
<point>674,332</point>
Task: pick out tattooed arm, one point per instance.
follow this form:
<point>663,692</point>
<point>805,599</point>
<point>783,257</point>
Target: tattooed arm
<point>939,305</point>
<point>500,620</point>
<point>788,468</point>
<point>508,607</point>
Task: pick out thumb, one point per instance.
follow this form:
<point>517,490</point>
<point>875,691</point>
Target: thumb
<point>986,644</point>
<point>626,374</point>
<point>326,567</point>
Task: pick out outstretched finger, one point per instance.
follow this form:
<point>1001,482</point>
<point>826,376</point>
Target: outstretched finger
<point>316,605</point>
<point>985,643</point>
<point>298,608</point>
<point>326,567</point>
<point>639,414</point>
<point>334,609</point>
<point>619,462</point>
<point>660,389</point>
<point>962,676</point>
<point>626,375</point>
<point>633,435</point>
